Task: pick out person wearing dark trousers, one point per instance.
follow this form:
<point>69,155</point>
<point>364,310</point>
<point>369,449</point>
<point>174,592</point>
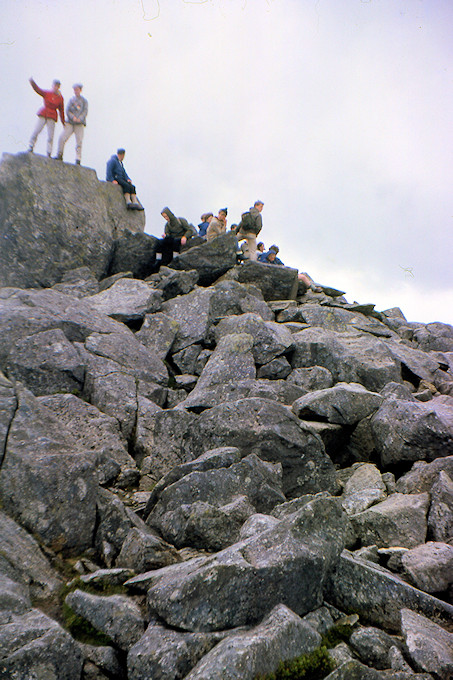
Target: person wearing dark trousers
<point>116,173</point>
<point>177,231</point>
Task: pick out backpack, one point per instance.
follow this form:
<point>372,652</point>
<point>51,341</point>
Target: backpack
<point>247,223</point>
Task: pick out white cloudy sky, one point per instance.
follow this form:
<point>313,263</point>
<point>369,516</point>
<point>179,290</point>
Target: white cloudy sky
<point>336,113</point>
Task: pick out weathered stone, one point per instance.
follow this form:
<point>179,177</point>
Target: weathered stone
<point>47,482</point>
<point>310,379</point>
<point>378,596</point>
<point>8,407</point>
<point>363,489</point>
<point>78,283</point>
<point>188,595</point>
<point>429,566</point>
<point>281,636</point>
<point>337,319</point>
<point>354,670</point>
<point>14,595</point>
<point>417,365</point>
<point>255,524</point>
<point>142,551</point>
<point>127,300</point>
<point>430,647</point>
<point>440,517</point>
<point>165,654</point>
<point>276,283</point>
<point>351,356</point>
<point>110,280</point>
<point>372,646</point>
<point>270,339</point>
<point>210,260</point>
<point>400,520</point>
<point>157,333</point>
<point>434,336</point>
<point>133,251</point>
<point>412,431</point>
<point>278,368</point>
<point>115,615</point>
<point>115,521</point>
<point>173,283</point>
<point>105,578</point>
<point>102,659</point>
<point>345,404</point>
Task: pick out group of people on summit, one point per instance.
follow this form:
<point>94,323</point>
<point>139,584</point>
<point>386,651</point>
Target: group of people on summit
<point>177,229</point>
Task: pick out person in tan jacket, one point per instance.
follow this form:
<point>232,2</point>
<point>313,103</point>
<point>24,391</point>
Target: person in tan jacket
<point>217,225</point>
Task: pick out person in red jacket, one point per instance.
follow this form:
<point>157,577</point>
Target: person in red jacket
<point>47,115</point>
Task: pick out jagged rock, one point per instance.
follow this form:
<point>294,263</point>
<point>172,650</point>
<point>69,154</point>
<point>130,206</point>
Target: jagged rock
<point>127,300</point>
<point>210,259</point>
<point>372,646</point>
<point>354,670</point>
<point>47,482</point>
<point>434,336</point>
<point>14,595</point>
<point>378,596</point>
<point>398,390</point>
<point>275,283</point>
<point>78,283</point>
<point>216,523</point>
<point>308,543</point>
<point>56,217</point>
<point>363,489</point>
<point>165,654</point>
<point>8,407</point>
<point>412,431</point>
<point>22,561</point>
<point>186,360</point>
<point>115,615</point>
<point>430,647</point>
<point>344,404</point>
<point>114,523</point>
<point>278,368</point>
<point>440,517</point>
<point>105,578</point>
<point>400,520</point>
<point>110,280</point>
<point>35,646</point>
<point>173,283</point>
<point>310,379</point>
<point>272,432</point>
<point>270,339</point>
<point>102,659</point>
<point>429,566</point>
<point>142,551</point>
<point>341,654</point>
<point>336,319</point>
<point>158,333</point>
<point>280,636</point>
<point>96,432</point>
<point>350,356</point>
<point>133,251</point>
<point>255,524</point>
<point>419,365</point>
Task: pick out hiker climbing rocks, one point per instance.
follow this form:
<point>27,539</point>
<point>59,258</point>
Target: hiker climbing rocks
<point>249,227</point>
<point>116,173</point>
<point>177,232</point>
<point>76,113</point>
<point>47,115</point>
<point>217,225</point>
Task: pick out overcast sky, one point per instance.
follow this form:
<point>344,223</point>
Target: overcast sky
<point>336,113</point>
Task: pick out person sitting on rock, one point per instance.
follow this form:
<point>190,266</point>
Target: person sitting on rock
<point>271,256</point>
<point>249,227</point>
<point>203,226</point>
<point>217,225</point>
<point>116,173</point>
<point>260,248</point>
<point>47,116</point>
<point>177,232</point>
<point>76,113</point>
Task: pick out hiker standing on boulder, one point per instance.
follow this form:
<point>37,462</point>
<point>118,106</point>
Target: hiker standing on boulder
<point>217,225</point>
<point>76,113</point>
<point>249,227</point>
<point>177,231</point>
<point>116,173</point>
<point>47,116</point>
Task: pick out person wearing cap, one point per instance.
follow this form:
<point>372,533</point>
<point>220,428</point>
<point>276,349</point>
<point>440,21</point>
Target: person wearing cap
<point>203,226</point>
<point>271,256</point>
<point>76,113</point>
<point>249,227</point>
<point>217,225</point>
<point>116,173</point>
<point>47,115</point>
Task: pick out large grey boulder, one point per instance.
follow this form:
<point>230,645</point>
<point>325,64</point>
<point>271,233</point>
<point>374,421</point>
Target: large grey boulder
<point>143,550</point>
<point>117,616</point>
<point>400,520</point>
<point>311,379</point>
<point>158,333</point>
<point>127,300</point>
<point>338,319</point>
<point>351,356</point>
<point>372,646</point>
<point>378,596</point>
<point>166,654</point>
<point>430,647</point>
<point>270,339</point>
<point>173,516</point>
<point>79,283</point>
<point>273,433</point>
<point>435,336</point>
<point>419,365</point>
<point>35,646</point>
<point>55,217</point>
<point>280,636</point>
<point>429,566</point>
<point>8,406</point>
<point>345,404</point>
<point>440,517</point>
<point>114,523</point>
<point>133,251</point>
<point>210,259</point>
<point>275,282</point>
<point>173,283</point>
<point>412,431</point>
<point>364,488</point>
<point>47,482</point>
<point>423,476</point>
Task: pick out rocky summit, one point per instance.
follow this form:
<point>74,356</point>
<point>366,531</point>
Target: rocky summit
<point>209,471</point>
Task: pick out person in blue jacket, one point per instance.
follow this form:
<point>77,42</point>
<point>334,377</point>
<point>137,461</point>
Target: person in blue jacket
<point>271,256</point>
<point>116,173</point>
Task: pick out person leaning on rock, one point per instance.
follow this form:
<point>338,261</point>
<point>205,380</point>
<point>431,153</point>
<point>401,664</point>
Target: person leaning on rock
<point>76,113</point>
<point>116,173</point>
<point>47,115</point>
<point>249,227</point>
<point>217,225</point>
<point>271,256</point>
<point>177,231</point>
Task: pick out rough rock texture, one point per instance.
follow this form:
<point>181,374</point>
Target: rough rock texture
<point>275,283</point>
<point>127,300</point>
<point>429,646</point>
<point>344,404</point>
<point>210,260</point>
<point>429,566</point>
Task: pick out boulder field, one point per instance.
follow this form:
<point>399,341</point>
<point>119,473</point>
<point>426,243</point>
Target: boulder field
<point>211,470</point>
